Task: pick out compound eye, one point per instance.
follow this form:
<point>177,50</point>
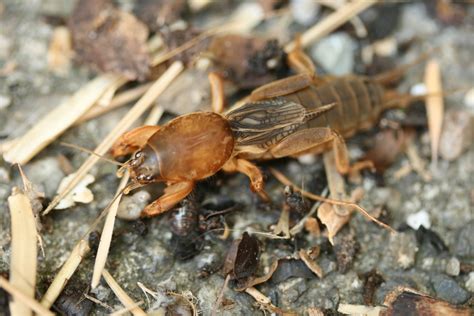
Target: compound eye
<point>138,154</point>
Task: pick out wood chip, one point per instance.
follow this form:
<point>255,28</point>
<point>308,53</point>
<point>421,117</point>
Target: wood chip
<point>65,273</point>
<point>331,22</point>
<point>58,120</point>
<point>122,295</point>
<point>23,251</point>
<point>135,112</point>
<point>60,51</point>
<point>351,309</point>
<point>434,106</point>
<point>27,300</point>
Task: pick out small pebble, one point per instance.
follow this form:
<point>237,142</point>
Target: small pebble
<point>45,173</point>
<point>447,289</point>
<point>5,47</point>
<point>5,101</point>
<point>469,98</point>
<point>402,249</point>
<point>308,159</point>
<point>470,282</point>
<point>291,290</point>
<point>304,11</point>
<point>335,53</point>
<point>385,47</point>
<point>457,134</point>
<point>131,206</point>
<point>453,267</point>
<point>422,218</point>
<point>418,89</point>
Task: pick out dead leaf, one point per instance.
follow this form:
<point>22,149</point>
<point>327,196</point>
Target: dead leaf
<point>243,256</point>
<point>80,193</point>
<point>248,62</point>
<point>110,39</point>
<point>310,263</point>
<point>156,14</point>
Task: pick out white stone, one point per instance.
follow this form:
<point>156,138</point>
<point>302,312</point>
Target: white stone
<point>335,53</point>
<point>422,218</point>
<point>469,98</point>
<point>304,11</point>
<point>470,282</point>
<point>5,101</point>
<point>418,89</point>
<point>453,267</point>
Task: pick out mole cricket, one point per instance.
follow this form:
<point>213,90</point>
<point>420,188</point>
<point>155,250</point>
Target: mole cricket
<point>301,114</point>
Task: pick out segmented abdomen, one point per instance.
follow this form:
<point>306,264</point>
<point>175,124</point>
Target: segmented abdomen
<point>359,102</point>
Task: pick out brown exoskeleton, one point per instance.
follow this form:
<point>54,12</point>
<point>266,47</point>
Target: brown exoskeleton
<point>301,114</point>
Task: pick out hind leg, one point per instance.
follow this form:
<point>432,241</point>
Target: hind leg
<point>316,140</point>
<point>251,171</point>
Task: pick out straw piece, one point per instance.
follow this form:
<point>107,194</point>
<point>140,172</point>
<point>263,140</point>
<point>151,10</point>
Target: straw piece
<point>434,106</point>
<point>351,309</point>
<point>356,22</point>
<point>58,120</point>
<point>125,309</point>
<point>122,295</point>
<point>135,112</point>
<point>25,299</point>
<point>65,273</point>
<point>23,251</point>
<point>331,22</point>
<point>119,100</point>
<point>106,236</point>
<point>109,93</point>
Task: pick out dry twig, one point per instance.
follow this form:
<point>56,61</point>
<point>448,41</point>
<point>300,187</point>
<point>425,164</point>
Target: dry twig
<point>284,180</point>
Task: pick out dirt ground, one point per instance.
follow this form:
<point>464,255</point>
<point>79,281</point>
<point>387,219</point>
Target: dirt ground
<point>437,259</point>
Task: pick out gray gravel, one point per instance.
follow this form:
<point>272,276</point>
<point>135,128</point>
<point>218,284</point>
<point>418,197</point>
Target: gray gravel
<point>143,254</point>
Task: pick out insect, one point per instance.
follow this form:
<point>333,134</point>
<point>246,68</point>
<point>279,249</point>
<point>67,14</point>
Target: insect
<point>301,114</point>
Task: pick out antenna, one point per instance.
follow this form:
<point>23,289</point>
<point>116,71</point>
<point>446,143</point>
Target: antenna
<point>92,153</point>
